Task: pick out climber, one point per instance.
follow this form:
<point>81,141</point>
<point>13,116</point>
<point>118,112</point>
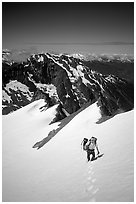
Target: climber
<point>90,148</point>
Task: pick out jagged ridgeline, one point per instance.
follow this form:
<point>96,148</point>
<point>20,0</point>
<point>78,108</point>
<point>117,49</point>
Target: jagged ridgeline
<point>72,81</point>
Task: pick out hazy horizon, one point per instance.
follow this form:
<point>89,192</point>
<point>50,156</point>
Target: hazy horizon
<point>70,27</point>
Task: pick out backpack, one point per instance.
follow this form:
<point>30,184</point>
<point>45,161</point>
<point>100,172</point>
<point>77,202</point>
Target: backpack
<point>85,140</point>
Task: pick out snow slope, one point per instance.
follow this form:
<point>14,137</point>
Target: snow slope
<point>59,171</point>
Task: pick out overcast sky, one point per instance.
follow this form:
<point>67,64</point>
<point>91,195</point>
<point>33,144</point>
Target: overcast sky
<point>69,27</point>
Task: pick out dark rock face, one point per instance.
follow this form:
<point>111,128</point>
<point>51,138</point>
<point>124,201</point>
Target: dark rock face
<point>63,85</point>
<point>65,80</point>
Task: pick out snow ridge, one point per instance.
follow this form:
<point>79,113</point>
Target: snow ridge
<point>59,172</point>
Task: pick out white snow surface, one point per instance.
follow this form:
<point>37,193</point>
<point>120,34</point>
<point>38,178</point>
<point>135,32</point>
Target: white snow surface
<point>41,59</point>
<point>59,171</point>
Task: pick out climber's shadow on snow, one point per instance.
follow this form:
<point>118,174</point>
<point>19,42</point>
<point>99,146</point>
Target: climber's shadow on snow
<point>98,156</point>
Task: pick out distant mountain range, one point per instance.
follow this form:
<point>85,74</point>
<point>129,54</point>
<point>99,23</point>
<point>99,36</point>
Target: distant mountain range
<point>15,55</point>
<point>72,81</point>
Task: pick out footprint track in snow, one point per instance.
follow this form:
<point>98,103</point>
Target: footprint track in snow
<point>93,180</point>
<point>92,200</point>
<point>90,171</point>
<point>95,191</point>
<point>91,188</point>
<point>89,178</point>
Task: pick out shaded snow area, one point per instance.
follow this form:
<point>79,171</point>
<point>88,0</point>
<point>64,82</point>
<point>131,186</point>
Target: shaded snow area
<point>59,171</point>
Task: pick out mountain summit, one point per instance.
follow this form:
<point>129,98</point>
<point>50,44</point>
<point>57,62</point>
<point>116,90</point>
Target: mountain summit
<point>68,80</point>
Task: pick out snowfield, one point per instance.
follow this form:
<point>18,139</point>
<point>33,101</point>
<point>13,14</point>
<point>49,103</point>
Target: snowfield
<point>59,171</point>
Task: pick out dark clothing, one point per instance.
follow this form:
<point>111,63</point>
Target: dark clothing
<point>89,152</point>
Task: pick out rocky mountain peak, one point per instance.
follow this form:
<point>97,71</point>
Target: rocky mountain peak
<point>64,79</point>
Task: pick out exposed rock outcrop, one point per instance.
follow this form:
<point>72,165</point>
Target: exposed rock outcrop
<point>66,80</point>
